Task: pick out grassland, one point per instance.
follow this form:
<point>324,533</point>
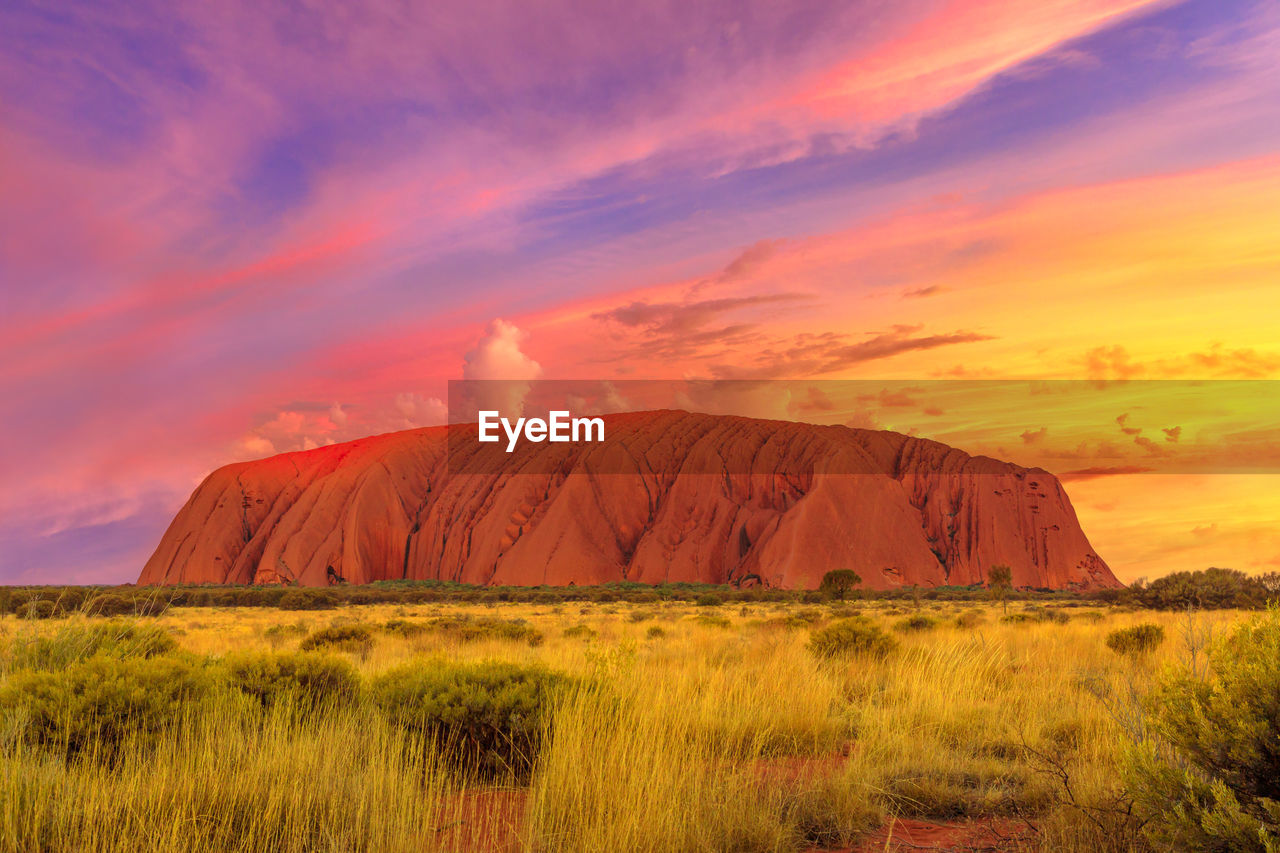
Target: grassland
<point>675,728</point>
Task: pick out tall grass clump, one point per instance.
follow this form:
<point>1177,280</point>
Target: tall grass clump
<point>615,777</point>
<point>853,636</point>
<point>936,737</point>
<point>763,699</point>
<point>472,629</point>
<point>1137,640</point>
<point>227,783</point>
<point>82,639</point>
<point>916,623</point>
<point>356,639</point>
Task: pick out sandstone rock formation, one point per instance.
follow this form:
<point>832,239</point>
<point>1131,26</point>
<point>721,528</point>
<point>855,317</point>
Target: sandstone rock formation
<point>668,496</point>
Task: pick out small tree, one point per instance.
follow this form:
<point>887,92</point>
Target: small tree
<point>1000,584</point>
<point>840,582</point>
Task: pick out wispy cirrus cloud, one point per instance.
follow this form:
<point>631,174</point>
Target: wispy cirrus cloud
<point>213,211</point>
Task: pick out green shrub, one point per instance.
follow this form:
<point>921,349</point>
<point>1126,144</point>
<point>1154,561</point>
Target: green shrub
<point>40,609</point>
<point>488,717</point>
<point>404,627</point>
<point>470,629</point>
<point>584,632</point>
<point>93,705</point>
<point>1136,641</point>
<point>1044,614</point>
<point>848,637</point>
<point>916,623</point>
<point>307,599</point>
<point>309,679</point>
<point>640,615</point>
<point>655,632</point>
<point>282,629</point>
<point>1208,777</point>
<point>80,640</point>
<point>1016,618</point>
<point>708,600</point>
<point>713,620</point>
<point>790,622</point>
<point>108,604</point>
<point>357,639</point>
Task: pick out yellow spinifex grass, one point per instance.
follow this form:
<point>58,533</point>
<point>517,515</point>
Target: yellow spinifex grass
<point>702,738</point>
<point>220,782</point>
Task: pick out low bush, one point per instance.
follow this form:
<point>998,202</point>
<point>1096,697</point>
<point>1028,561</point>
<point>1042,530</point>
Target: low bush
<point>655,632</point>
<point>1044,614</point>
<point>81,640</point>
<point>404,627</point>
<point>307,599</point>
<point>108,604</point>
<point>791,622</point>
<point>357,639</point>
<point>1136,641</point>
<point>285,629</point>
<point>470,629</point>
<point>1016,618</point>
<point>915,624</point>
<point>489,718</point>
<point>708,600</point>
<point>1208,778</point>
<point>850,637</point>
<point>94,705</point>
<point>40,609</point>
<point>967,619</point>
<point>713,620</point>
<point>584,632</point>
<point>308,679</point>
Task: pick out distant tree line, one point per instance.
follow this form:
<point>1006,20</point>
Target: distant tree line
<point>1208,589</point>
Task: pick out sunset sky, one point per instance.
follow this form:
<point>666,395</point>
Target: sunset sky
<point>234,229</point>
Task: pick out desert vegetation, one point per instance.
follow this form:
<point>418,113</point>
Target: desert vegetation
<point>635,719</point>
<point>1210,589</point>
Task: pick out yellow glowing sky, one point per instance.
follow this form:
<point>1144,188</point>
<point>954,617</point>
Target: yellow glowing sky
<point>1175,277</point>
<point>228,231</point>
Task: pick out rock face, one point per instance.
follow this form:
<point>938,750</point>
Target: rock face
<point>754,502</point>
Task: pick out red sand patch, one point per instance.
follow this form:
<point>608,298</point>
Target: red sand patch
<point>491,820</point>
<point>974,836</point>
<point>801,768</point>
<point>485,821</point>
